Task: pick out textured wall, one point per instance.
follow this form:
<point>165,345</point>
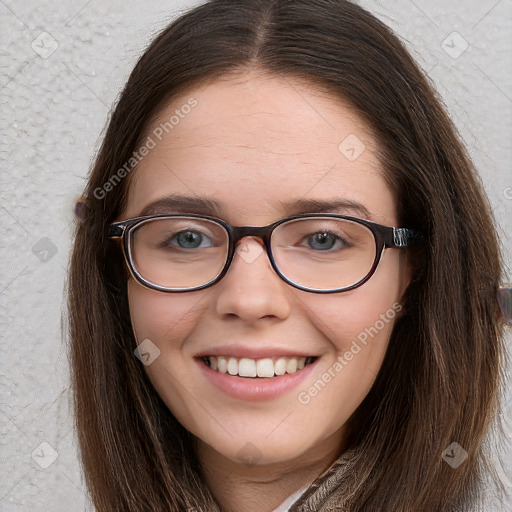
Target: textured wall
<point>62,67</point>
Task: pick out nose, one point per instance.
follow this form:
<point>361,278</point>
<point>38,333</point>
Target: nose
<point>251,289</point>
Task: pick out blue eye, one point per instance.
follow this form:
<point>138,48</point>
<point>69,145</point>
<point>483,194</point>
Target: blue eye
<point>188,240</point>
<point>325,241</point>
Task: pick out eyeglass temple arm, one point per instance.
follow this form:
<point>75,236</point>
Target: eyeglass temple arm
<point>403,237</point>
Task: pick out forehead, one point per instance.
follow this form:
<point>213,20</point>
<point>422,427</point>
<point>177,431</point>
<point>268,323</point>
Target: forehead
<point>255,143</point>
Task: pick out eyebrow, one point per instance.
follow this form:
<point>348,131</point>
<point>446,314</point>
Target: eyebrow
<point>325,206</point>
<point>209,206</point>
<point>182,204</point>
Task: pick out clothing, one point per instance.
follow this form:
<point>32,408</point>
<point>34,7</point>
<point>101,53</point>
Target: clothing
<point>325,494</point>
<point>285,506</point>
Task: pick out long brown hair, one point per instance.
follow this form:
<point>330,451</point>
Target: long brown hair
<point>440,380</point>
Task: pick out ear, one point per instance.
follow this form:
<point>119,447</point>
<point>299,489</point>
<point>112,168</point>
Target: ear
<point>407,267</point>
<point>412,261</point>
<point>81,211</point>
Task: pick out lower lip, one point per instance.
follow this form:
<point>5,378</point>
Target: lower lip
<point>255,389</point>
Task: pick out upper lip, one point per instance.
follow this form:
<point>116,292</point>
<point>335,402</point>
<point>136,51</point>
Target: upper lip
<point>239,351</point>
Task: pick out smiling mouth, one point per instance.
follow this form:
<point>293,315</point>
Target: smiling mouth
<point>268,367</point>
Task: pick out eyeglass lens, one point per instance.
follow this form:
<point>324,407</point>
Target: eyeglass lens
<point>319,253</point>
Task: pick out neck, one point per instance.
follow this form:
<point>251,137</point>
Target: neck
<point>262,487</point>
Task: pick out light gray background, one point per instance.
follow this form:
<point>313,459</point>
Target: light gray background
<point>57,90</point>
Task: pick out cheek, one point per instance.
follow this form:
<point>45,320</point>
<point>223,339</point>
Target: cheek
<point>162,316</point>
<point>357,325</point>
<point>167,320</point>
<point>364,316</point>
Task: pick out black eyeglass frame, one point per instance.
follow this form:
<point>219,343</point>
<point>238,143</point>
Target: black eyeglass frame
<point>385,237</point>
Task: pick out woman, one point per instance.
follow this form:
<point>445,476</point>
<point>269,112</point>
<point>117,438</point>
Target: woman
<point>284,292</point>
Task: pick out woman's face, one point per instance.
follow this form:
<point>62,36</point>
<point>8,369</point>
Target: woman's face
<point>253,144</point>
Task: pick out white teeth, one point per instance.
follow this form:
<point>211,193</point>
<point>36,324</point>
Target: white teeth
<point>246,367</point>
<point>280,366</point>
<point>267,367</point>
<point>222,364</point>
<point>232,366</point>
<point>291,366</point>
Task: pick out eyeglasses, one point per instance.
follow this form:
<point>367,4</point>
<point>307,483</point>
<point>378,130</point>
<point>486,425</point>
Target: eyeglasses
<point>314,252</point>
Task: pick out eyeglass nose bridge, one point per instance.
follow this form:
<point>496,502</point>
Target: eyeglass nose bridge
<point>238,233</point>
<point>263,232</point>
